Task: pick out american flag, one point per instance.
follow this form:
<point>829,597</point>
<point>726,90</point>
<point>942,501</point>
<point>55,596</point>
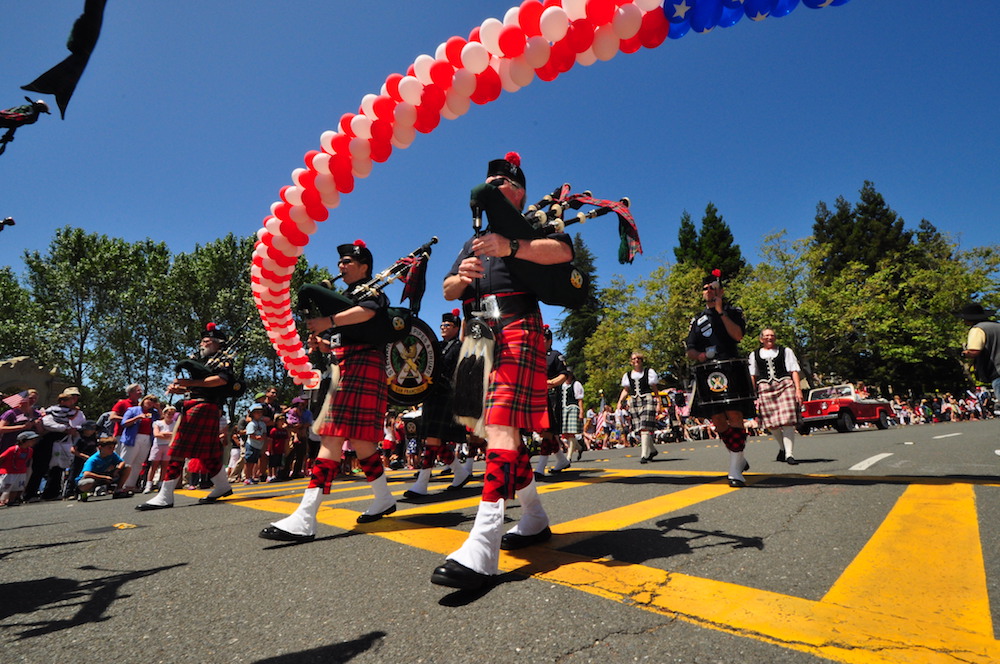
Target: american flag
<point>601,419</point>
<point>14,400</point>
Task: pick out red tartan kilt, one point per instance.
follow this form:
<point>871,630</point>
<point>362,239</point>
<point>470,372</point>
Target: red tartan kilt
<point>776,404</point>
<point>197,434</point>
<point>517,393</point>
<point>358,408</point>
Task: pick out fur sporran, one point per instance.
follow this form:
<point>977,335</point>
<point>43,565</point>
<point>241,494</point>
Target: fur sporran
<point>330,392</point>
<point>472,375</point>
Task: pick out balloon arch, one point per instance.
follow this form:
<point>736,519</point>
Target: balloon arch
<point>534,39</point>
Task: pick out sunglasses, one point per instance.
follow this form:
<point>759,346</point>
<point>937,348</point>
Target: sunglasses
<point>345,261</point>
<point>502,178</point>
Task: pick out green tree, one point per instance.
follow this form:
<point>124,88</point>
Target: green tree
<point>687,250</point>
<point>20,332</point>
<point>717,247</point>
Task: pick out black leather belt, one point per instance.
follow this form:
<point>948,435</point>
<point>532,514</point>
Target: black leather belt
<point>513,307</point>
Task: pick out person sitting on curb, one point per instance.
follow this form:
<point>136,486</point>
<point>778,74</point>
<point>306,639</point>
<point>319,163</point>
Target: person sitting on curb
<point>103,469</point>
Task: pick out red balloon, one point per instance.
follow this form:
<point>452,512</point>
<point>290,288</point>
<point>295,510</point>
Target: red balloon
<point>314,207</point>
<point>488,87</point>
<point>562,55</point>
<point>529,15</point>
<point>344,180</point>
<point>308,179</point>
<point>432,97</point>
<point>312,154</point>
<point>411,71</point>
<point>392,86</point>
<point>551,3</point>
<point>382,131</point>
<point>442,73</point>
<point>511,41</point>
<point>600,12</point>
<point>474,34</point>
<point>655,28</point>
<point>383,107</point>
<point>547,72</point>
<point>453,51</point>
<point>345,124</point>
<point>581,35</point>
<point>428,119</point>
<point>381,150</point>
<point>283,193</point>
<point>280,258</point>
<point>341,144</point>
<point>340,165</point>
<point>258,260</point>
<point>630,45</point>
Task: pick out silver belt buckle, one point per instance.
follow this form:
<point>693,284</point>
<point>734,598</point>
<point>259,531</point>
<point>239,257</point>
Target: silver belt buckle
<point>335,340</point>
<point>490,308</point>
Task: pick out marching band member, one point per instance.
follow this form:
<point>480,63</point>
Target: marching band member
<point>556,374</point>
<point>775,370</point>
<point>714,335</point>
<point>197,435</point>
<point>355,410</point>
<point>437,424</point>
<point>516,393</point>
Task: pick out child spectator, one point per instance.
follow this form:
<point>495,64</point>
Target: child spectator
<point>159,453</point>
<point>84,447</point>
<point>235,467</point>
<point>14,467</point>
<point>279,435</point>
<point>253,444</point>
<point>103,469</point>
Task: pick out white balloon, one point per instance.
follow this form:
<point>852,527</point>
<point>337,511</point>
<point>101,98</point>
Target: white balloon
<point>405,114</point>
<point>403,136</point>
<point>325,182</point>
<point>361,125</point>
<point>272,226</point>
<point>506,81</point>
<point>627,21</point>
<point>606,43</point>
<point>512,17</point>
<point>422,69</point>
<point>440,52</point>
<point>464,83</point>
<point>521,72</point>
<point>489,35</point>
<point>537,51</point>
<point>261,232</point>
<point>255,270</point>
<point>367,104</point>
<point>294,195</point>
<point>586,58</point>
<point>298,213</point>
<point>457,103</point>
<point>475,57</point>
<point>360,148</point>
<point>410,90</point>
<point>326,141</point>
<point>282,244</point>
<point>321,163</point>
<point>361,166</point>
<point>309,380</point>
<point>648,5</point>
<point>447,113</point>
<point>297,173</point>
<point>575,9</point>
<point>554,23</point>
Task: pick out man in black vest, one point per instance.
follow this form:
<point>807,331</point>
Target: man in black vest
<point>640,384</point>
<point>775,370</point>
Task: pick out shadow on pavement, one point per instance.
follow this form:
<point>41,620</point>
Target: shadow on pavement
<point>335,653</point>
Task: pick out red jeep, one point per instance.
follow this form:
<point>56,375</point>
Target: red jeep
<point>841,407</point>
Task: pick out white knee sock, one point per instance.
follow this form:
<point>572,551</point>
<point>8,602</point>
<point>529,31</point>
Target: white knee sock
<point>788,440</point>
<point>460,470</point>
<point>561,461</point>
<point>736,462</point>
<point>166,493</point>
<point>383,499</point>
<point>481,551</point>
<point>646,439</point>
<point>220,484</point>
<point>303,520</point>
<point>423,477</point>
<point>533,517</point>
<point>543,459</point>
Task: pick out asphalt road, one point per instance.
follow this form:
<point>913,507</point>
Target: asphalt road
<point>850,556</point>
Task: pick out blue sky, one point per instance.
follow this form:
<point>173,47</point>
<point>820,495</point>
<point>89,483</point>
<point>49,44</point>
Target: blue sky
<point>192,115</point>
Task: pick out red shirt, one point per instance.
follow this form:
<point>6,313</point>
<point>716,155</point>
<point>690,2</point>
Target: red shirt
<point>279,439</point>
<point>119,409</point>
<point>14,460</point>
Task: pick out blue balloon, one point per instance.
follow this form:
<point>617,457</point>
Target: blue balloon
<point>758,10</point>
<point>732,4</point>
<point>731,17</point>
<point>705,15</point>
<point>785,7</point>
<point>678,30</point>
<point>677,11</point>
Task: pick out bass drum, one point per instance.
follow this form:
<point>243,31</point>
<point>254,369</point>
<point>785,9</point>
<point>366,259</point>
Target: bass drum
<point>412,364</point>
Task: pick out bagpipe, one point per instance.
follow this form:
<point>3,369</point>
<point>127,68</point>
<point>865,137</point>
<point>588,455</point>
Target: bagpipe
<point>197,368</point>
<point>561,284</point>
<point>409,345</point>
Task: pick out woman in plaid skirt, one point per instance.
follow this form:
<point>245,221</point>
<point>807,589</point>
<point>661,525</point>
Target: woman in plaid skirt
<point>775,370</point>
<point>356,410</point>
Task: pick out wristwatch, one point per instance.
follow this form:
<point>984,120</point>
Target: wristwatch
<point>514,246</point>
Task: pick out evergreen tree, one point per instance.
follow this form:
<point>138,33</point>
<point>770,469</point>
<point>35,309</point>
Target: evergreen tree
<point>579,324</point>
<point>687,250</point>
<point>717,247</point>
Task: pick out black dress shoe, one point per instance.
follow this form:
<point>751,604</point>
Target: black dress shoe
<point>513,541</point>
<point>279,535</point>
<point>456,575</point>
<point>413,495</point>
<point>746,465</point>
<point>456,487</point>
<point>736,484</point>
<point>208,500</point>
<point>791,461</point>
<point>653,454</point>
<point>148,507</point>
<point>643,460</point>
<point>370,518</point>
<point>781,456</point>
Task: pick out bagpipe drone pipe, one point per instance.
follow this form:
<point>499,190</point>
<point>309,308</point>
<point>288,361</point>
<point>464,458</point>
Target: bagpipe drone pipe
<point>561,284</point>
